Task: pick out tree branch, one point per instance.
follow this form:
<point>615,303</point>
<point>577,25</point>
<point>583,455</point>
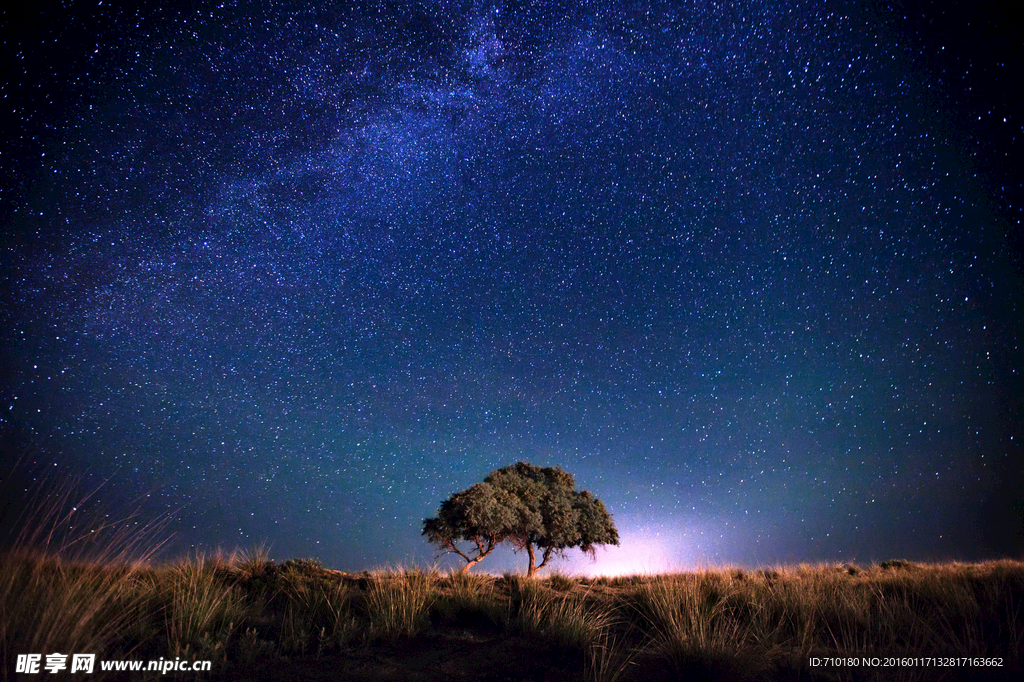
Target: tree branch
<point>548,552</point>
<point>451,548</point>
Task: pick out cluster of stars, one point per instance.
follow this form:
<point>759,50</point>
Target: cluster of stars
<point>300,274</point>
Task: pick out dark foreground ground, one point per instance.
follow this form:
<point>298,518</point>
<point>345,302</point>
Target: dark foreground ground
<point>461,657</point>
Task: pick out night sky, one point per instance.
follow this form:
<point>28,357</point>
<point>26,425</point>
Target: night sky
<point>286,275</point>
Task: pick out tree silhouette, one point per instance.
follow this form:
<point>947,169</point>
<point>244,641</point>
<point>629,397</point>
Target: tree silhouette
<point>533,508</point>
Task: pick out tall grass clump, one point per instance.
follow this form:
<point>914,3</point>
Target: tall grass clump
<point>699,623</point>
<point>68,578</point>
<point>561,582</point>
<point>467,600</point>
<point>609,659</point>
<point>201,612</point>
<point>316,613</point>
<point>398,604</point>
<point>253,565</point>
<point>567,620</point>
<point>47,605</point>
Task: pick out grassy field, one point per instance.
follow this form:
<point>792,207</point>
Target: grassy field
<point>260,620</point>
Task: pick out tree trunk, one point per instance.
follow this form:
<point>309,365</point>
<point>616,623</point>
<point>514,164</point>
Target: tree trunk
<point>471,564</point>
<point>534,566</point>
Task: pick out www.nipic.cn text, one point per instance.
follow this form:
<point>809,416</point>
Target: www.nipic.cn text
<point>86,663</point>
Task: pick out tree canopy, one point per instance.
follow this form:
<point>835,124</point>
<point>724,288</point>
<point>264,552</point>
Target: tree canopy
<point>533,508</point>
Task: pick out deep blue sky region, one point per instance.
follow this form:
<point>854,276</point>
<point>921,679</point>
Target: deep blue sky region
<point>290,274</point>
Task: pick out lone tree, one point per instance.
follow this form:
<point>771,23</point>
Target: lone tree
<point>531,508</point>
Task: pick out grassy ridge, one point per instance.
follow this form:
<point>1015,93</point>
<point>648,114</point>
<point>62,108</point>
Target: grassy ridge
<point>247,613</point>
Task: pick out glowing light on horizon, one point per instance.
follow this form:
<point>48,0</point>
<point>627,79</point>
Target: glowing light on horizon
<point>642,549</point>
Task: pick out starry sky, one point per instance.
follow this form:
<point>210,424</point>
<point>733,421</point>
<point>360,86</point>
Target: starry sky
<point>290,274</point>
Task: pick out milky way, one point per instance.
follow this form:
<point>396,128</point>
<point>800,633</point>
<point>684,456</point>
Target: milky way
<point>291,276</point>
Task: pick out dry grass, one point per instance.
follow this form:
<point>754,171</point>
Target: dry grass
<point>716,624</point>
<point>52,605</point>
<point>397,603</point>
<point>565,619</point>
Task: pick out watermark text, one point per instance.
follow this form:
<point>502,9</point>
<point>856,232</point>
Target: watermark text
<point>56,662</point>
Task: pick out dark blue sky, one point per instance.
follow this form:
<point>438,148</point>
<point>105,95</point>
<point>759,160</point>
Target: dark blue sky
<point>293,275</point>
